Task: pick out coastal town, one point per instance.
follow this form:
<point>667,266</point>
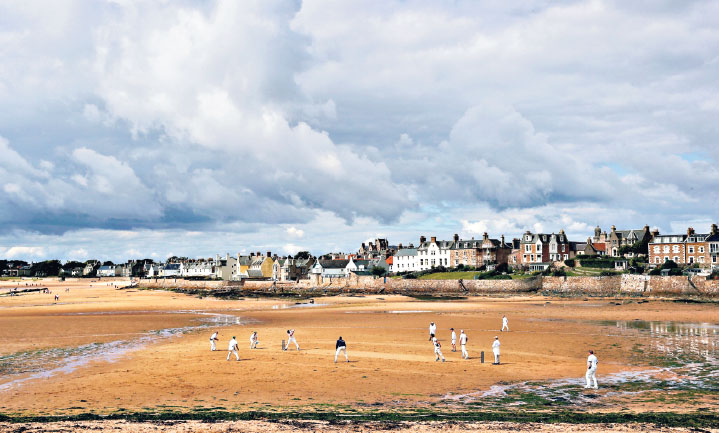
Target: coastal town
<point>604,252</point>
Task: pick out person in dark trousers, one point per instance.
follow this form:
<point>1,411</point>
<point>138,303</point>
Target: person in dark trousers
<point>341,346</point>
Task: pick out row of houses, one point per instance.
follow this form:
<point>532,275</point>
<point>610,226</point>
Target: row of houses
<point>538,251</point>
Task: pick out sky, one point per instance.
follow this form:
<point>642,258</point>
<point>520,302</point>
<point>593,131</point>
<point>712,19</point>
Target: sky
<point>133,129</point>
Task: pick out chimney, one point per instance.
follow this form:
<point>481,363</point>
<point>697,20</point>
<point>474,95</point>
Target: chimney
<point>655,232</point>
<point>614,228</point>
<point>434,239</point>
<point>502,240</point>
<point>714,229</point>
<point>485,236</point>
<point>690,231</point>
<point>400,246</point>
<point>646,228</point>
<point>422,240</point>
<point>258,254</point>
<point>456,237</point>
<point>561,231</point>
<point>269,253</point>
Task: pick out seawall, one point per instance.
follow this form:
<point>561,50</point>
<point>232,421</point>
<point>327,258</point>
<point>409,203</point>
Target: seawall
<point>619,285</point>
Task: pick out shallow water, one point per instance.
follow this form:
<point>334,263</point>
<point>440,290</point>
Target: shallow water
<point>49,362</point>
<point>683,357</point>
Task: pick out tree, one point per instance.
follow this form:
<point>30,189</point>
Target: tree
<point>669,264</point>
<point>48,268</point>
<point>73,264</point>
<point>108,263</point>
<point>303,255</point>
<point>378,271</point>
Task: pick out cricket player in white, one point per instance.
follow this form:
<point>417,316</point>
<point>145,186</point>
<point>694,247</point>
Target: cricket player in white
<point>233,348</point>
<point>253,340</point>
<point>432,330</point>
<point>291,339</point>
<point>454,340</point>
<point>495,349</point>
<point>592,370</point>
<point>463,344</point>
<point>213,339</point>
<point>505,324</point>
<point>437,349</point>
<point>341,346</point>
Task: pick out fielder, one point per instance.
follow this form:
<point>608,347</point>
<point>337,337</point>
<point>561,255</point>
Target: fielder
<point>463,344</point>
<point>495,349</point>
<point>454,340</point>
<point>291,339</point>
<point>505,324</point>
<point>341,346</point>
<point>213,339</point>
<point>437,349</point>
<point>592,369</point>
<point>432,330</point>
<point>253,340</point>
<point>233,348</point>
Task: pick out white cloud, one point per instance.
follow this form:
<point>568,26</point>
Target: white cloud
<point>19,252</point>
<point>295,232</point>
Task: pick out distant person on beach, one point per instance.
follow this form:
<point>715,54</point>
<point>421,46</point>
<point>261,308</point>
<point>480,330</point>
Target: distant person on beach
<point>454,340</point>
<point>57,298</point>
<point>233,348</point>
<point>592,370</point>
<point>437,349</point>
<point>432,330</point>
<point>463,344</point>
<point>505,324</point>
<point>341,346</point>
<point>495,349</point>
<point>213,339</point>
<point>253,340</point>
<point>291,339</point>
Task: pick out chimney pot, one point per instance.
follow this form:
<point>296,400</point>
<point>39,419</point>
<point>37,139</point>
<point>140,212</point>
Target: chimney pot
<point>456,237</point>
<point>422,240</point>
<point>485,236</point>
<point>434,238</point>
<point>269,254</point>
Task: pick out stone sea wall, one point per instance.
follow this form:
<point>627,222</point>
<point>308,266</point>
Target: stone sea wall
<point>619,285</point>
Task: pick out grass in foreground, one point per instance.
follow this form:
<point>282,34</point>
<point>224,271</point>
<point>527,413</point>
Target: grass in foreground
<point>668,419</point>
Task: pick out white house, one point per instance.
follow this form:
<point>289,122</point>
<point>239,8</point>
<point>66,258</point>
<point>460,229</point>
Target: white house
<point>106,271</point>
<point>171,270</point>
<point>198,269</point>
<point>433,253</point>
<point>330,268</point>
<point>405,260</point>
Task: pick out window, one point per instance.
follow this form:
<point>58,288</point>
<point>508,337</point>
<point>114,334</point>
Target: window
<point>691,250</point>
<point>531,258</point>
<point>675,248</point>
<point>657,260</point>
<point>676,259</point>
<point>714,259</point>
<point>666,258</point>
<point>527,248</point>
<point>656,249</point>
<point>691,259</point>
<point>701,249</point>
<point>666,248</point>
<point>566,256</point>
<point>701,259</point>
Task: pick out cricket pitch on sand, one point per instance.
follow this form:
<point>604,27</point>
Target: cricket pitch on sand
<point>134,360</point>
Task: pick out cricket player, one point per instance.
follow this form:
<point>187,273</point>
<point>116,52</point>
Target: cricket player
<point>432,330</point>
<point>592,370</point>
<point>341,346</point>
<point>233,348</point>
<point>437,349</point>
<point>213,339</point>
<point>291,339</point>
<point>495,349</point>
<point>505,324</point>
<point>253,340</point>
<point>463,344</point>
<point>454,340</point>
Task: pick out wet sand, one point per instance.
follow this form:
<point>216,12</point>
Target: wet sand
<point>392,364</point>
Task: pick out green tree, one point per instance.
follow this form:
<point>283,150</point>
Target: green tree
<point>303,255</point>
<point>378,271</point>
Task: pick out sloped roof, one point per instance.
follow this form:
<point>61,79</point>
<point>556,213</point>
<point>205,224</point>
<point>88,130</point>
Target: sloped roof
<point>334,264</point>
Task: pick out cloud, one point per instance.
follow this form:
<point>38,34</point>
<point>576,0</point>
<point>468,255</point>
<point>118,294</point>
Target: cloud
<point>238,117</point>
<point>23,252</point>
<point>295,232</point>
